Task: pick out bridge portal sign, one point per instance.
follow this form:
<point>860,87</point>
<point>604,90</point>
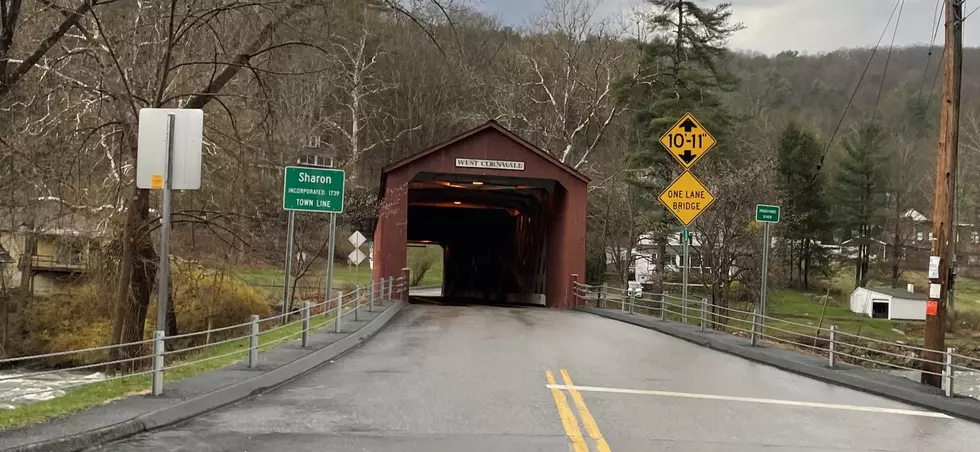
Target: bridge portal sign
<point>313,189</point>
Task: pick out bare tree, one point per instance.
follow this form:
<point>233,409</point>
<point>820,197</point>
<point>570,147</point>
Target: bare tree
<point>564,95</point>
<point>355,59</point>
<point>728,236</point>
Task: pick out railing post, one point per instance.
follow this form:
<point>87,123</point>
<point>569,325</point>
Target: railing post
<point>406,273</point>
<point>704,314</point>
<point>683,309</point>
<point>663,306</point>
<point>601,296</point>
<point>573,291</point>
<point>948,372</point>
<point>391,288</point>
<point>832,347</point>
<point>357,300</point>
<point>305,337</point>
<point>158,348</point>
<point>632,302</point>
<point>340,311</point>
<point>371,289</point>
<point>253,343</point>
<point>755,328</point>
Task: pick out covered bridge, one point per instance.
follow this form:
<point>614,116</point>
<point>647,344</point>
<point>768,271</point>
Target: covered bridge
<point>509,217</point>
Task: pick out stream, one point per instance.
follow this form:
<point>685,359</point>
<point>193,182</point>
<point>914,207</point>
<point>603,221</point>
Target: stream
<point>15,389</point>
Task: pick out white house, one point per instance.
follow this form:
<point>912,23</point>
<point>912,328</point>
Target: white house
<point>645,251</point>
<point>887,303</point>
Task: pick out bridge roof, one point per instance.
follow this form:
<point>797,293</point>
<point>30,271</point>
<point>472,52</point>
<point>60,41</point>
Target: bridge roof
<point>470,135</point>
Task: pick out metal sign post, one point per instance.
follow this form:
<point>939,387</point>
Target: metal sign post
<point>686,238</point>
<point>168,158</point>
<point>287,300</point>
<point>765,271</point>
<point>765,214</point>
<point>163,293</point>
<point>330,250</point>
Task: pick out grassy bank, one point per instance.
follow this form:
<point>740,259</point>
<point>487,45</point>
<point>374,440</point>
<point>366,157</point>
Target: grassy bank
<point>103,392</point>
<point>805,309</point>
<point>344,276</point>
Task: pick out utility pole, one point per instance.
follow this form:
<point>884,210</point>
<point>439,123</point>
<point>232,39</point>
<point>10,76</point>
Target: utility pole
<point>943,229</point>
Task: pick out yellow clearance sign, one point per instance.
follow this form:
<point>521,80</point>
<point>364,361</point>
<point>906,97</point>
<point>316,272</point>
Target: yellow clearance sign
<point>687,141</point>
<point>686,198</point>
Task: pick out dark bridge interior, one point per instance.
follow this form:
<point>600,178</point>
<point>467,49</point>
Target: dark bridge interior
<point>492,230</point>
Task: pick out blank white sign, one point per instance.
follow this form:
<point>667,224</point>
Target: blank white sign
<point>357,256</point>
<point>357,239</point>
<point>151,152</point>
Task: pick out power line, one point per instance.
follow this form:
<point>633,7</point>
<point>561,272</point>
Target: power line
<point>971,13</point>
<point>884,74</point>
<point>935,78</point>
<point>854,93</point>
<point>937,18</point>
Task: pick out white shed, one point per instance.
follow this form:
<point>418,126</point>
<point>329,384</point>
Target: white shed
<point>888,303</point>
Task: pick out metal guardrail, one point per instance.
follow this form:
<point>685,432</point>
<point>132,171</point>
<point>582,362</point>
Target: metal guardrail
<point>837,346</point>
<point>160,360</point>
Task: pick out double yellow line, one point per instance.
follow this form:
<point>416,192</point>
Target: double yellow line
<point>568,419</point>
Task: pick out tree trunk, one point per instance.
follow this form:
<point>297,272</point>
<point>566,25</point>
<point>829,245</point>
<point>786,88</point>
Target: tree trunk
<point>135,283</point>
<point>896,259</point>
<point>896,247</point>
<point>27,264</point>
<point>865,260</point>
<point>801,263</point>
<point>4,324</point>
<point>172,329</point>
<point>857,267</point>
<point>662,256</point>
<point>122,283</point>
<point>792,261</point>
<point>806,264</point>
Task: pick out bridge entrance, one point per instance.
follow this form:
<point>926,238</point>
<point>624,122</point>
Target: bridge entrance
<point>509,217</point>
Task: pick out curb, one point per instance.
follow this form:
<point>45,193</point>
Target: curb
<point>853,377</point>
<point>207,402</point>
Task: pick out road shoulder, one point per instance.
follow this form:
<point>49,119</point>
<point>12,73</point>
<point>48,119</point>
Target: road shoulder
<point>866,380</point>
<point>195,396</point>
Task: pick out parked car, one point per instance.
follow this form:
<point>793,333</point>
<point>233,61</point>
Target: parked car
<point>634,289</point>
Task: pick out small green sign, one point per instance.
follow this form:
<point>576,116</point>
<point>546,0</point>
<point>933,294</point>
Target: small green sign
<point>686,236</point>
<point>313,189</point>
<point>766,213</point>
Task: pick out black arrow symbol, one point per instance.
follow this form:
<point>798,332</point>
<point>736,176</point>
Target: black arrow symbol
<point>687,156</point>
<point>687,125</point>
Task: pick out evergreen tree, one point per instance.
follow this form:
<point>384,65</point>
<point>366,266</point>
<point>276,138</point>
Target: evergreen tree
<point>682,69</point>
<point>860,192</point>
<point>802,189</point>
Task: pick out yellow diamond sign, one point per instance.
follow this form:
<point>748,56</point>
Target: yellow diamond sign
<point>686,198</point>
<point>687,141</point>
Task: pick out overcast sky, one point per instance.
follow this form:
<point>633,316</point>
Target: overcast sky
<point>803,25</point>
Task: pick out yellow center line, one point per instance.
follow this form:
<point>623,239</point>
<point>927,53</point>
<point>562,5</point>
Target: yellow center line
<point>567,417</point>
<point>587,420</point>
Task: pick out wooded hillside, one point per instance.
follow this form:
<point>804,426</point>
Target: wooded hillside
<point>371,82</point>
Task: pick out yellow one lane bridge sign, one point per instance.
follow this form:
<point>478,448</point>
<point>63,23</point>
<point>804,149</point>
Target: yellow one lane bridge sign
<point>686,197</point>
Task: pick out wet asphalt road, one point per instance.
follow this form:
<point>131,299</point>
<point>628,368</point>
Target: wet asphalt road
<point>473,378</point>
